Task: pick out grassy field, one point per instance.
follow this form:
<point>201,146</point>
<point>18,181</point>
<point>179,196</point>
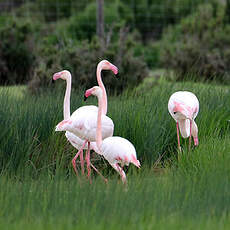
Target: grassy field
<point>191,190</point>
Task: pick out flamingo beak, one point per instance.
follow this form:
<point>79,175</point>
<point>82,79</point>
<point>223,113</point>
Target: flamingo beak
<point>88,92</point>
<point>114,69</point>
<point>196,142</point>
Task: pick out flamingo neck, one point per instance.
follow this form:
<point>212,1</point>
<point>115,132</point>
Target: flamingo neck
<point>195,132</point>
<point>104,95</point>
<point>99,130</point>
<point>184,127</point>
<point>66,106</point>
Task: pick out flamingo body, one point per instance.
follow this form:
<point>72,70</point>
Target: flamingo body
<point>183,106</point>
<point>85,136</point>
<point>85,109</point>
<point>183,101</point>
<point>84,126</point>
<point>75,141</point>
<point>118,150</point>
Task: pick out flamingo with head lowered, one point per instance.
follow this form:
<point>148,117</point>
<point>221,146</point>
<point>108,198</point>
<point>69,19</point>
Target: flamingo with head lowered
<point>81,123</point>
<point>184,107</point>
<point>116,150</point>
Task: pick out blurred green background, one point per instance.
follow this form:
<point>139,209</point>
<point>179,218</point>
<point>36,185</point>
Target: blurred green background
<point>181,38</point>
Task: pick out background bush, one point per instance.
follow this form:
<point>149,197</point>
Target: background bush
<point>41,37</point>
<point>199,44</point>
<point>81,59</point>
<point>82,25</point>
<point>16,51</point>
<point>150,17</point>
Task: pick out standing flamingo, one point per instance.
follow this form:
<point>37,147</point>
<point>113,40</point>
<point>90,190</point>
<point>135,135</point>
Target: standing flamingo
<point>73,139</point>
<point>184,107</point>
<point>80,123</point>
<point>116,150</point>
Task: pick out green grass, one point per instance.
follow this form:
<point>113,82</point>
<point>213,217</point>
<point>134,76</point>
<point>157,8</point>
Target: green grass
<point>38,188</point>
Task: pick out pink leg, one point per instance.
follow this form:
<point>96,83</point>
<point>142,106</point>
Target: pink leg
<point>178,136</point>
<point>89,165</point>
<point>190,137</point>
<point>99,173</point>
<point>76,156</point>
<point>87,158</point>
<point>82,163</point>
<point>120,171</point>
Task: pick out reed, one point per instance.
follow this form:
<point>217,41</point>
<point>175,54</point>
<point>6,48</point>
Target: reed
<point>185,191</point>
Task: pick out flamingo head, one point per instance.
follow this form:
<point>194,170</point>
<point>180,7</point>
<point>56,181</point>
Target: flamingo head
<point>106,65</point>
<point>64,75</point>
<point>96,91</point>
<point>181,111</point>
<point>178,114</point>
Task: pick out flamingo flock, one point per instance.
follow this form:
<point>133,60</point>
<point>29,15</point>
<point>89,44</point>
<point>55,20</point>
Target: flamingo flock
<point>89,125</point>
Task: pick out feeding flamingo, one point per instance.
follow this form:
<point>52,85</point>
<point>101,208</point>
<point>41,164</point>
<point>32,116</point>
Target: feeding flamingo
<point>81,122</point>
<point>116,150</point>
<point>184,107</point>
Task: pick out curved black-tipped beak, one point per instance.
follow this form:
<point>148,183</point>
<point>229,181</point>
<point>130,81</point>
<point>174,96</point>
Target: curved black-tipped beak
<point>85,98</point>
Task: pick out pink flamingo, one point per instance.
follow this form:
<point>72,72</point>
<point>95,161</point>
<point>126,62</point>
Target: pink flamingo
<point>184,107</point>
<point>116,150</point>
<point>73,139</point>
<point>79,126</point>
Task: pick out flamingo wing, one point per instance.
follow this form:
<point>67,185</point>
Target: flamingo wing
<point>119,150</point>
<point>75,141</point>
<point>84,126</point>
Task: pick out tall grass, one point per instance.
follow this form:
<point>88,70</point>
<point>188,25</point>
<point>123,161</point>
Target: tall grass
<point>27,137</point>
<point>192,191</point>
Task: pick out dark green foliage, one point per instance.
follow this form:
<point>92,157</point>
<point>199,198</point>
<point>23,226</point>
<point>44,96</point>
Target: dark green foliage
<point>82,25</point>
<point>81,60</point>
<point>149,53</point>
<point>150,17</point>
<point>54,10</point>
<point>199,44</point>
<point>46,36</point>
<point>16,51</point>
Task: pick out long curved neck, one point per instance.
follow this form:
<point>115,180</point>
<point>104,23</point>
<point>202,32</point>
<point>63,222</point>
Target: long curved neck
<point>104,95</point>
<point>184,126</point>
<point>99,131</point>
<point>66,106</point>
<point>195,132</point>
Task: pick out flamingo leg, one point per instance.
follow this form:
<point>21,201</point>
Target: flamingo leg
<point>82,163</point>
<point>87,158</point>
<point>98,172</point>
<point>89,165</point>
<point>178,136</point>
<point>76,156</point>
<point>120,171</point>
<point>190,136</point>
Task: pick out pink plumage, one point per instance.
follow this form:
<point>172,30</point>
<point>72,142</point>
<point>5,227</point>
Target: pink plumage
<point>80,127</point>
<point>183,106</point>
<point>116,150</point>
<point>84,125</point>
